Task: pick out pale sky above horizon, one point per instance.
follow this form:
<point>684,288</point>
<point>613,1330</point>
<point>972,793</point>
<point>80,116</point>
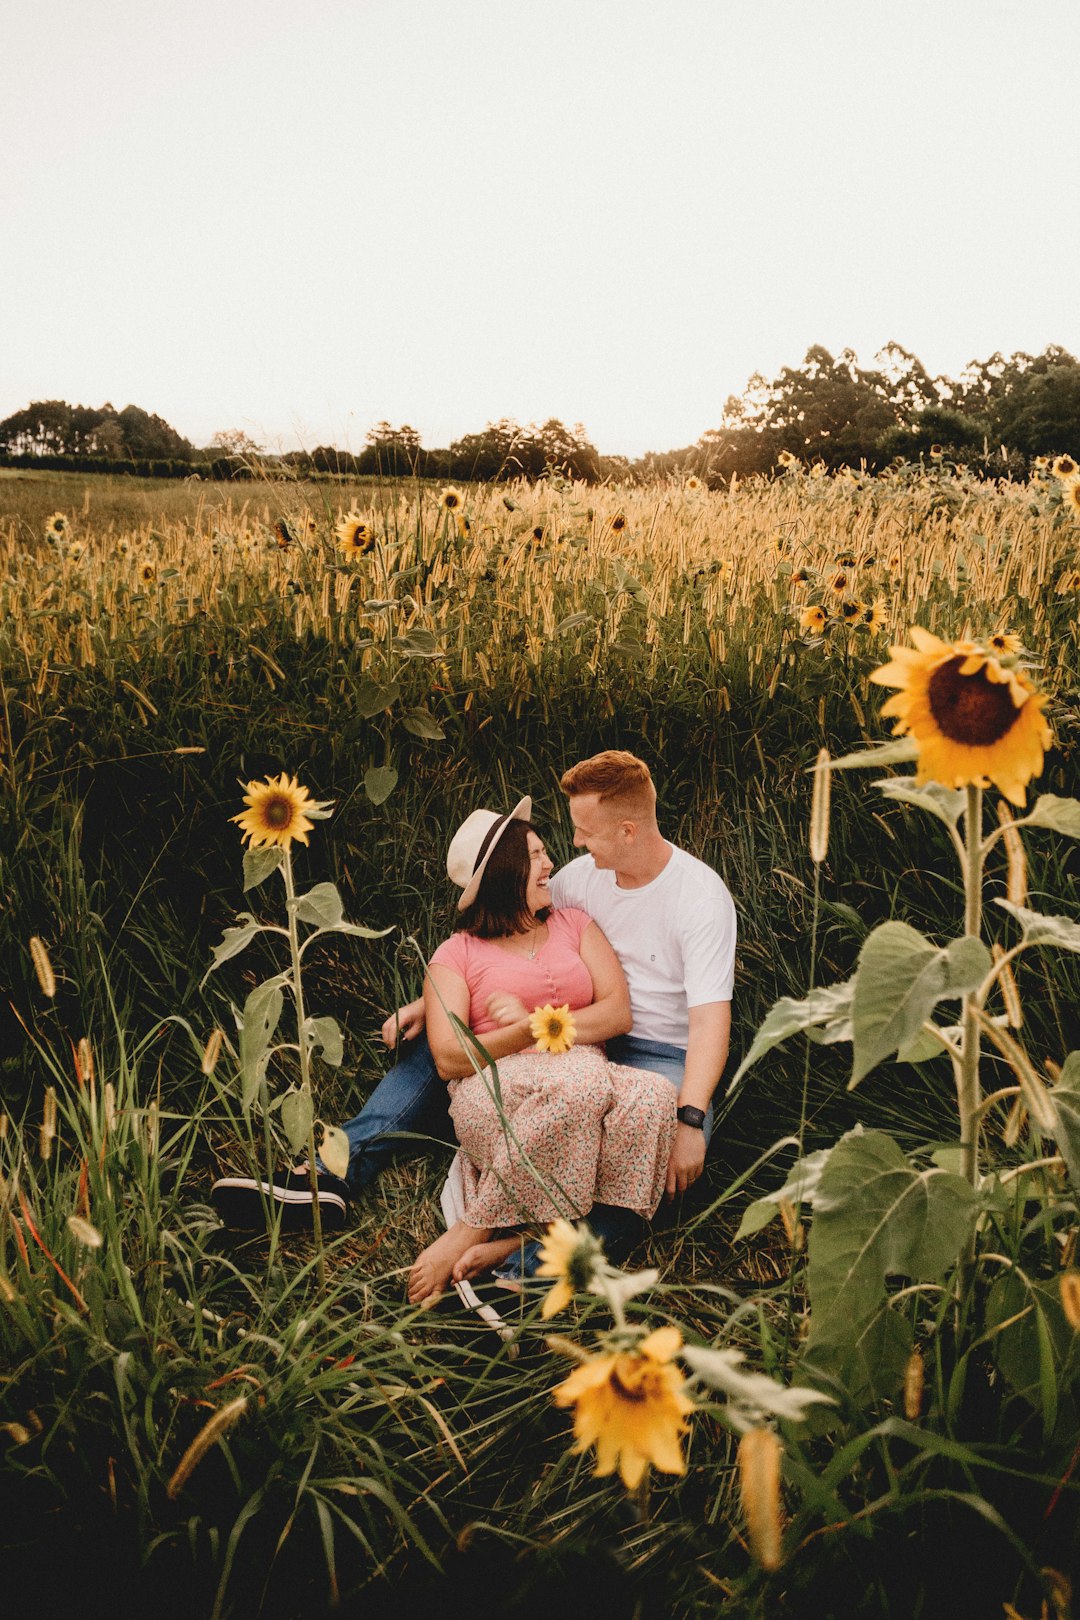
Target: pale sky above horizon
<point>238,214</point>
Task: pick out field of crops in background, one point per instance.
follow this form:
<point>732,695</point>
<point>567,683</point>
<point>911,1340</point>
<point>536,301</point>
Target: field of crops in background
<point>409,652</point>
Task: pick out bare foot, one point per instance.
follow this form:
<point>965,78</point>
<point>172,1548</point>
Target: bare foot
<point>482,1256</point>
<point>434,1266</point>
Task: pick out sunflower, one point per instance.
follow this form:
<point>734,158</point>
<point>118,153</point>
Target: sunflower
<point>276,812</point>
<point>936,452</point>
<point>974,720</point>
<point>1064,467</point>
<point>553,1029</point>
<point>850,610</point>
<point>1003,642</point>
<point>693,485</point>
<point>618,523</point>
<point>148,573</point>
<point>802,576</point>
<point>1069,582</point>
<point>75,550</point>
<point>464,527</point>
<point>786,459</point>
<point>631,1405</point>
<point>873,615</point>
<point>1071,495</point>
<point>1041,463</point>
<point>56,526</point>
<point>846,559</point>
<point>838,583</point>
<point>570,1254</point>
<point>814,620</point>
<point>354,537</point>
<point>538,533</point>
<point>818,468</point>
<point>283,534</point>
<point>451,499</point>
<point>123,546</point>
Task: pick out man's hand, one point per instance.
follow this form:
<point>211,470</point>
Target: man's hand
<point>687,1160</point>
<point>409,1020</point>
<point>506,1009</point>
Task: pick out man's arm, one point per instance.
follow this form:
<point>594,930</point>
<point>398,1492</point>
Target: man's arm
<point>706,1055</point>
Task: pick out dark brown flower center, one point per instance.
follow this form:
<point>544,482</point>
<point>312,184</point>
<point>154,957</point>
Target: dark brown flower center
<point>627,1392</point>
<point>970,708</point>
<point>277,812</point>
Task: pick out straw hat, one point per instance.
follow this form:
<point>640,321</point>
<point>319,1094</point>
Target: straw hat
<point>473,845</point>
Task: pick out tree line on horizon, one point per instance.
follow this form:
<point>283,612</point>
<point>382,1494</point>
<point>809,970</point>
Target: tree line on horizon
<point>996,417</point>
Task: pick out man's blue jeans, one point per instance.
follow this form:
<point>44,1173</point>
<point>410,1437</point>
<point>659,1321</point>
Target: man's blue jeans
<point>410,1097</point>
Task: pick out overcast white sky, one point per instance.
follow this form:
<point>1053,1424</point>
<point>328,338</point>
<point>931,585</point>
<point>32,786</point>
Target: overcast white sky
<point>298,220</point>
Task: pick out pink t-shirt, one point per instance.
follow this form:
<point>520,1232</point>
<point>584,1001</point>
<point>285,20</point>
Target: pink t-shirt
<point>556,974</point>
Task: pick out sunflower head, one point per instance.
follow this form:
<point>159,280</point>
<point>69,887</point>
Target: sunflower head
<point>570,1255</point>
<point>818,469</point>
<point>618,523</point>
<point>553,1029</point>
<point>694,486</point>
<point>1070,496</point>
<point>936,452</point>
<point>802,576</point>
<point>1064,467</point>
<point>148,572</point>
<point>1041,463</point>
<point>57,526</point>
<point>846,559</point>
<point>1003,644</point>
<point>354,536</point>
<point>123,546</point>
<point>813,620</point>
<point>973,719</point>
<point>1068,582</point>
<point>851,611</point>
<point>839,583</point>
<point>785,459</point>
<point>873,616</point>
<point>451,499</point>
<point>76,550</point>
<point>632,1406</point>
<point>278,811</point>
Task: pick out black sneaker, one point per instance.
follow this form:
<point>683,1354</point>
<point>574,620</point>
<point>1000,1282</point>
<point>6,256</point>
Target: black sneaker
<point>241,1201</point>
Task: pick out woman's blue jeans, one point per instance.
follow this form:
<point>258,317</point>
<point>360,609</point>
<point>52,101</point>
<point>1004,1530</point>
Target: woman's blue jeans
<point>411,1101</point>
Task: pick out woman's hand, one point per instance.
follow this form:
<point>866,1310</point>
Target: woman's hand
<point>408,1021</point>
<point>507,1009</point>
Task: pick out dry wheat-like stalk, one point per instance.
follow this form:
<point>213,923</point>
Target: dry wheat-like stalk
<point>208,1436</point>
<point>759,1489</point>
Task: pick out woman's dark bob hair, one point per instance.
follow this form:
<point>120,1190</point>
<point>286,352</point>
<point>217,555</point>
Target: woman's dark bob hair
<point>500,906</point>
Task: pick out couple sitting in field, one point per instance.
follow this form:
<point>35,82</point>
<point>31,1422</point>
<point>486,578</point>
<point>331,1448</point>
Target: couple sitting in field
<point>637,939</point>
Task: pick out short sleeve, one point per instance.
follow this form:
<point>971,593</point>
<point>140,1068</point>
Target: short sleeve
<point>572,922</point>
<point>453,953</point>
<point>708,946</point>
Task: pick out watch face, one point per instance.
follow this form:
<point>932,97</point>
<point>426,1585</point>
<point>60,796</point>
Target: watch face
<point>691,1116</point>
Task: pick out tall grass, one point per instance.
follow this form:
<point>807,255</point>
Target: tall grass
<point>381,1450</point>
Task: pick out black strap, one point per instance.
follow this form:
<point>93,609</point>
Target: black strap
<point>487,840</point>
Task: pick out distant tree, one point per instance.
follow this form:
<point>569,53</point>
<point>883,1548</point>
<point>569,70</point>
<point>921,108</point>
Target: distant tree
<point>151,436</point>
<point>393,452</point>
<point>234,442</point>
<point>1029,403</point>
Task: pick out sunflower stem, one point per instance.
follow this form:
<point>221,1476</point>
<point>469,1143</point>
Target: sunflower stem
<point>967,1077</point>
<point>305,1062</point>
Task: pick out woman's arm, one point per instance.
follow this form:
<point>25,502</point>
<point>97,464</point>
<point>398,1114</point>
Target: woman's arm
<point>609,1013</point>
<point>453,1057</point>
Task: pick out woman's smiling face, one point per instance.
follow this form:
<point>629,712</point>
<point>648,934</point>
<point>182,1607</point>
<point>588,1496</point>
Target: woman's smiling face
<point>537,895</point>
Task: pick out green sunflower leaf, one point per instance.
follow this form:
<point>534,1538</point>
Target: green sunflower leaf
<point>900,980</point>
<point>1040,929</point>
<point>334,1151</point>
<point>235,940</point>
<point>259,1021</point>
<point>322,906</point>
<point>297,1114</point>
<point>379,782</point>
<point>1062,815</point>
<point>947,804</point>
<point>372,698</point>
<point>422,723</point>
<point>324,1036</point>
<point>799,1188</point>
<point>826,1010</point>
<point>1065,1096</point>
<point>259,863</point>
<point>899,752</point>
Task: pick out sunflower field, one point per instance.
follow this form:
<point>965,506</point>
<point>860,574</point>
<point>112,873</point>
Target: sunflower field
<point>846,1379</point>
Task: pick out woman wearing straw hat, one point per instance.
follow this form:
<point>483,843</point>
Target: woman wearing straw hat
<point>543,1132</point>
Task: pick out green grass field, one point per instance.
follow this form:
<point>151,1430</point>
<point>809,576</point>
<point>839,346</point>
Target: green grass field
<point>178,640</point>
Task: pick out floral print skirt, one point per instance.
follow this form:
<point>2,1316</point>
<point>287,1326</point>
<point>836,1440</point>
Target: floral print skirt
<point>557,1133</point>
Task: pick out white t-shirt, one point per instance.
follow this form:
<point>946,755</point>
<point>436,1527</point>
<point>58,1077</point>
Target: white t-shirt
<point>675,937</point>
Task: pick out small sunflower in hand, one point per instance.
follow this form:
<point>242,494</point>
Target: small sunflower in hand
<point>553,1029</point>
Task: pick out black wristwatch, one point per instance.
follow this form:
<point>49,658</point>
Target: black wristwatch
<point>691,1116</point>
